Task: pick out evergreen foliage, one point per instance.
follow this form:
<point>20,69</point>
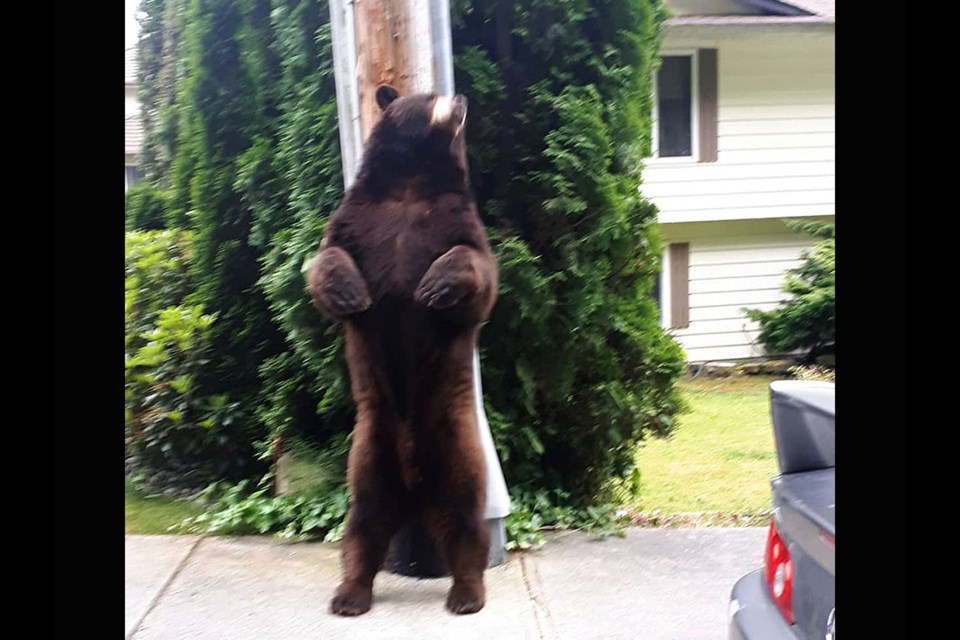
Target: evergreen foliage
<point>307,390</point>
<point>218,178</point>
<point>807,320</point>
<point>145,208</point>
<point>575,365</point>
<point>160,64</point>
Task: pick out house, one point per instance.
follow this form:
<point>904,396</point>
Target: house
<point>133,127</point>
<point>743,138</point>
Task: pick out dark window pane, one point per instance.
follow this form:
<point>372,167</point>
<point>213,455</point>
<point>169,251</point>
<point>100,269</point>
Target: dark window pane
<point>674,107</point>
<point>657,297</point>
<point>133,177</point>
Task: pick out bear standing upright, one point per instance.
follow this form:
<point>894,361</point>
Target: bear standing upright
<point>405,264</point>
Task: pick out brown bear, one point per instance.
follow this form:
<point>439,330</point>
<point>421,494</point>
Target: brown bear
<point>405,264</point>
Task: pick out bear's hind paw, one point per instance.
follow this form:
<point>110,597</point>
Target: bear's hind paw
<point>464,599</point>
<point>351,600</point>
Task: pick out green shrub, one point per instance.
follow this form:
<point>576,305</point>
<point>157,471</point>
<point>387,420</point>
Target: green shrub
<point>533,513</point>
<point>145,208</point>
<point>240,509</point>
<point>176,439</point>
<point>235,510</point>
<point>156,278</point>
<point>807,320</point>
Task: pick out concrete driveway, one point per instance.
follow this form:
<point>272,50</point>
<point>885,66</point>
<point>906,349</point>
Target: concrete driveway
<point>655,583</point>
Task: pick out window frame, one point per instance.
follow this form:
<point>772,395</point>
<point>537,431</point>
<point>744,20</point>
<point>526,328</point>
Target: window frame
<point>694,56</point>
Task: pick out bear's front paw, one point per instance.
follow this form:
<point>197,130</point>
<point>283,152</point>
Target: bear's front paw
<point>465,598</point>
<point>335,285</point>
<point>351,600</point>
<point>348,298</point>
<point>448,281</point>
<point>442,293</point>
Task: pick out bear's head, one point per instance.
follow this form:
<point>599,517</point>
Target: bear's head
<point>420,135</point>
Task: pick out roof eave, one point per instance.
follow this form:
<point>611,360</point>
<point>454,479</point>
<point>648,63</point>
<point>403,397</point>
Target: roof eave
<point>777,7</point>
<point>682,29</point>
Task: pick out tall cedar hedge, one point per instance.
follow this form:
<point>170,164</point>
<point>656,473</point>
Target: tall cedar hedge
<point>575,365</point>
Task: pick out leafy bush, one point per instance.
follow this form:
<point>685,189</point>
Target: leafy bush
<point>239,510</point>
<point>807,320</point>
<point>533,513</point>
<point>236,510</point>
<point>145,208</point>
<point>156,276</point>
<point>176,439</point>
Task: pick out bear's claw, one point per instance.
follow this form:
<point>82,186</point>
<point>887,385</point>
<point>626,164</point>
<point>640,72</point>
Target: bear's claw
<point>438,295</point>
<point>348,300</point>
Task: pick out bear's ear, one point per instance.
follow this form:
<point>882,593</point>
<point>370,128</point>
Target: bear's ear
<point>385,95</point>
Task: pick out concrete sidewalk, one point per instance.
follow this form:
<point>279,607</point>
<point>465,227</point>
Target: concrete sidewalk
<point>655,583</point>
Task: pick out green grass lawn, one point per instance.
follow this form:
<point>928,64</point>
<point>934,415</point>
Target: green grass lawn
<point>154,515</point>
<point>719,458</point>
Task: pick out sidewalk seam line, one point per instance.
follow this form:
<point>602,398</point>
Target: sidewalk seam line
<point>541,613</point>
<point>163,589</point>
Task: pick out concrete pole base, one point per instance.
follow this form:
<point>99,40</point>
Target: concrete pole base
<point>412,552</point>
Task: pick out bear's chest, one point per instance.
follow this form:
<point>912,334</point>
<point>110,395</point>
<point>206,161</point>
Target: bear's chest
<point>395,249</point>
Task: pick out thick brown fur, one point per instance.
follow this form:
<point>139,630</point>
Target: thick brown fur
<point>405,264</point>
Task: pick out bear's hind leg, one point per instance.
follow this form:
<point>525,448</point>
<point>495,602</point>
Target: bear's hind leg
<point>371,523</point>
<point>462,538</point>
<point>364,547</point>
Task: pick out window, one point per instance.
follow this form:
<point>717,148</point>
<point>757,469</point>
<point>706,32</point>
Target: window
<point>686,106</point>
<point>675,107</point>
<point>131,176</point>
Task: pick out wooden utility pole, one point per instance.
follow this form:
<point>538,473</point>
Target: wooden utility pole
<point>404,43</point>
<point>407,44</point>
<point>388,53</point>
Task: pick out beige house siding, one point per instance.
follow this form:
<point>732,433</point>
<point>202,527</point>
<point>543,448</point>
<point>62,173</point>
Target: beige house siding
<point>731,265</point>
<point>775,152</point>
<point>775,134</point>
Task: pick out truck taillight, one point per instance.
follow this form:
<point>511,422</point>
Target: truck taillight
<point>778,572</point>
